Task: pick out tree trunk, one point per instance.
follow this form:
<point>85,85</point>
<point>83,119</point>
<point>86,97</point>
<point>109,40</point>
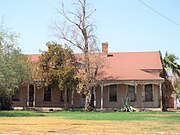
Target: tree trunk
<point>72,97</point>
<point>88,76</point>
<point>167,90</point>
<point>88,106</point>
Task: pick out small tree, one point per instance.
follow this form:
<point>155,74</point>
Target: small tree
<point>13,67</point>
<point>170,68</point>
<point>78,31</point>
<point>56,67</point>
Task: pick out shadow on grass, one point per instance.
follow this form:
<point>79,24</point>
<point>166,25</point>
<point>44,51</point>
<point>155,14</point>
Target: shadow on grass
<point>19,114</point>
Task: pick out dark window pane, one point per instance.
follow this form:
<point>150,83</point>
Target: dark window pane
<point>62,96</point>
<point>131,93</point>
<point>148,93</point>
<point>47,94</point>
<point>113,93</point>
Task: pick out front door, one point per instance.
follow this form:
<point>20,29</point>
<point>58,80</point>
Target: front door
<point>31,95</point>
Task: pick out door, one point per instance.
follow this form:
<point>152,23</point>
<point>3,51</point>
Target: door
<point>31,95</point>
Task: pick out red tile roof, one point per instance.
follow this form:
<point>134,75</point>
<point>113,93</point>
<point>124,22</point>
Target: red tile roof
<point>131,66</point>
<point>33,57</point>
<point>127,66</point>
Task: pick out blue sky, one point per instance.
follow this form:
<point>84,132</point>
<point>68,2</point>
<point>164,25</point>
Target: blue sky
<point>127,25</point>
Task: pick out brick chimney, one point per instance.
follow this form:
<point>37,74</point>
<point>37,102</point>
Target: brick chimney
<point>105,49</point>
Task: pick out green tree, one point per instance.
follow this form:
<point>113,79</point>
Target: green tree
<point>56,67</point>
<point>13,67</point>
<point>78,31</point>
<point>170,69</point>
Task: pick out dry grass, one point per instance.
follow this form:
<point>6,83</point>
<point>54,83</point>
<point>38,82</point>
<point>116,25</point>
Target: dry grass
<point>57,125</point>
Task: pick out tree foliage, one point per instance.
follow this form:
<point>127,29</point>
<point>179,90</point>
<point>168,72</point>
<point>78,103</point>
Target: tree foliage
<point>171,69</point>
<point>170,65</point>
<point>13,67</point>
<point>78,31</point>
<point>56,66</point>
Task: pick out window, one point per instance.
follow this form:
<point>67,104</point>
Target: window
<point>148,93</point>
<point>47,93</point>
<point>62,96</point>
<point>113,93</point>
<point>131,93</point>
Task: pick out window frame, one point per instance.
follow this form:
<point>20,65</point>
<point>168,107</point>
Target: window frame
<point>116,91</point>
<point>148,92</point>
<point>47,92</point>
<point>62,96</point>
<point>128,91</point>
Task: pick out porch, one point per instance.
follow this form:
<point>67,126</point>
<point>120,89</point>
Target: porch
<point>142,94</point>
<point>108,94</point>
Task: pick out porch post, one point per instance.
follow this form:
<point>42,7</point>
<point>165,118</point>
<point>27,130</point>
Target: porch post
<point>143,95</point>
<point>72,96</point>
<point>27,95</point>
<point>65,96</point>
<point>136,105</point>
<point>34,101</point>
<point>160,95</point>
<point>94,92</point>
<point>102,96</point>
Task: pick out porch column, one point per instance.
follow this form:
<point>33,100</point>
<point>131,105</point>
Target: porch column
<point>65,97</point>
<point>72,96</point>
<point>102,96</point>
<point>27,95</point>
<point>160,95</point>
<point>143,95</point>
<point>94,92</point>
<point>34,101</point>
<point>136,105</point>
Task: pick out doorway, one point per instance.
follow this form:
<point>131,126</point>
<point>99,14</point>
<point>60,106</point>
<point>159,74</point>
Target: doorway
<point>31,95</point>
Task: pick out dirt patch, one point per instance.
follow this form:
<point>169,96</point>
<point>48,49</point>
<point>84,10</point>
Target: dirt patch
<point>60,126</point>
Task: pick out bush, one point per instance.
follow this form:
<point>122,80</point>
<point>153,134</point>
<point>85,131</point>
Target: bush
<point>5,103</point>
<point>126,106</point>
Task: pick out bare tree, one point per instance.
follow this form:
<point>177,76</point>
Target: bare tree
<point>78,31</point>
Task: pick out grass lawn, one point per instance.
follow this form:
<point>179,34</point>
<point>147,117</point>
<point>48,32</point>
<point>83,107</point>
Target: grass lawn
<point>69,122</point>
<point>118,115</point>
<point>78,115</point>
